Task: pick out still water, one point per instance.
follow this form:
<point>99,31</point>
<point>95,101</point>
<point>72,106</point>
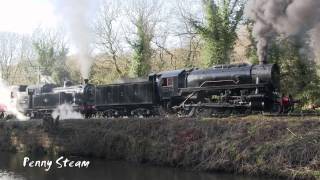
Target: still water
<point>11,168</point>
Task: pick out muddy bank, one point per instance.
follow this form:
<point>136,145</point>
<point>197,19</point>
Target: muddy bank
<point>256,145</point>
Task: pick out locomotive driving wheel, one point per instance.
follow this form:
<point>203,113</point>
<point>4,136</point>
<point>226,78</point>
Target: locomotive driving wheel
<point>204,112</point>
<point>111,113</point>
<point>187,112</point>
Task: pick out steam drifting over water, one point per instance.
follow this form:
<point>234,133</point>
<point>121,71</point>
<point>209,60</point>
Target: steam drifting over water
<point>78,15</point>
<point>10,104</point>
<point>285,18</point>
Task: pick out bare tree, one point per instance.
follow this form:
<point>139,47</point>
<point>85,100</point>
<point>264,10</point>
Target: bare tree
<point>17,58</point>
<point>187,50</point>
<point>9,54</point>
<point>51,50</point>
<point>24,72</point>
<point>107,31</point>
<point>162,51</point>
<point>190,42</point>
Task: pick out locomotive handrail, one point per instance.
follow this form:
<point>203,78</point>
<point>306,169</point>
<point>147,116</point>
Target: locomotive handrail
<point>196,89</point>
<point>235,82</point>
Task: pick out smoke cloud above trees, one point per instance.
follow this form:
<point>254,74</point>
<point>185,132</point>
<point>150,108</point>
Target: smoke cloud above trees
<point>284,18</point>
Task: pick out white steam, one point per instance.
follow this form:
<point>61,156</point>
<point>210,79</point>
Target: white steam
<point>286,18</point>
<point>65,111</point>
<point>9,104</point>
<point>78,16</point>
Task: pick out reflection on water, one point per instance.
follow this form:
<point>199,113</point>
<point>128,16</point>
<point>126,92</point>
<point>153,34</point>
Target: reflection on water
<point>11,169</point>
<point>10,175</point>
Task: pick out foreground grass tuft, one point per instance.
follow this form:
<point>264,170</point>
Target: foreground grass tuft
<point>254,145</point>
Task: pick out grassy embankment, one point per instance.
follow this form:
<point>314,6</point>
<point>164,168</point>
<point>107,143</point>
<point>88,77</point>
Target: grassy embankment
<point>254,145</point>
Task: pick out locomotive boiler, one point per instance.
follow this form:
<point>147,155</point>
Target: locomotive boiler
<point>235,75</point>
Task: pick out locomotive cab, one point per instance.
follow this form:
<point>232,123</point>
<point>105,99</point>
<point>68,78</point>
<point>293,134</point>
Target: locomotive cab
<point>170,82</point>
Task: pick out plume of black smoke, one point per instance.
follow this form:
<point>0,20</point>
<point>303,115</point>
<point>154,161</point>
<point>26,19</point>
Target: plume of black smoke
<point>79,14</point>
<point>284,18</point>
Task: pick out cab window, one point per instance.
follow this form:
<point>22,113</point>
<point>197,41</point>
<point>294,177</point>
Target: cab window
<point>167,82</point>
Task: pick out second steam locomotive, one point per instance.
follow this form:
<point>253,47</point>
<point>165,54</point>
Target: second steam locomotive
<point>221,89</point>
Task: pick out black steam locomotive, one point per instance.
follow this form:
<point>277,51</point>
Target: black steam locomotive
<point>220,89</point>
<point>44,99</point>
<point>223,88</point>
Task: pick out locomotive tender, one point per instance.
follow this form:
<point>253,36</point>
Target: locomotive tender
<point>127,99</point>
<point>187,92</point>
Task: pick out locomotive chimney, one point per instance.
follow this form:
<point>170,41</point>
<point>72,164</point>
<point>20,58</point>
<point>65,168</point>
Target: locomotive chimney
<point>86,81</point>
<point>264,56</point>
<point>264,59</point>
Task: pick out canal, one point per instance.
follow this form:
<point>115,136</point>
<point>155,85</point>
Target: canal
<point>11,168</point>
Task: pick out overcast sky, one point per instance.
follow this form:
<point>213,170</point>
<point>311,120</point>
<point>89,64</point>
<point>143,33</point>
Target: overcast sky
<point>23,16</point>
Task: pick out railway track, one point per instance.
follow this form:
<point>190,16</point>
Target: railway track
<point>294,114</point>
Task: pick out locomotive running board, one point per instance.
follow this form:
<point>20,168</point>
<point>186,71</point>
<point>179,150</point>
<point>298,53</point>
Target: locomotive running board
<point>215,105</point>
<point>227,87</point>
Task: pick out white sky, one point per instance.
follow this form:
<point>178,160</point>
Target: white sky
<point>23,16</point>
